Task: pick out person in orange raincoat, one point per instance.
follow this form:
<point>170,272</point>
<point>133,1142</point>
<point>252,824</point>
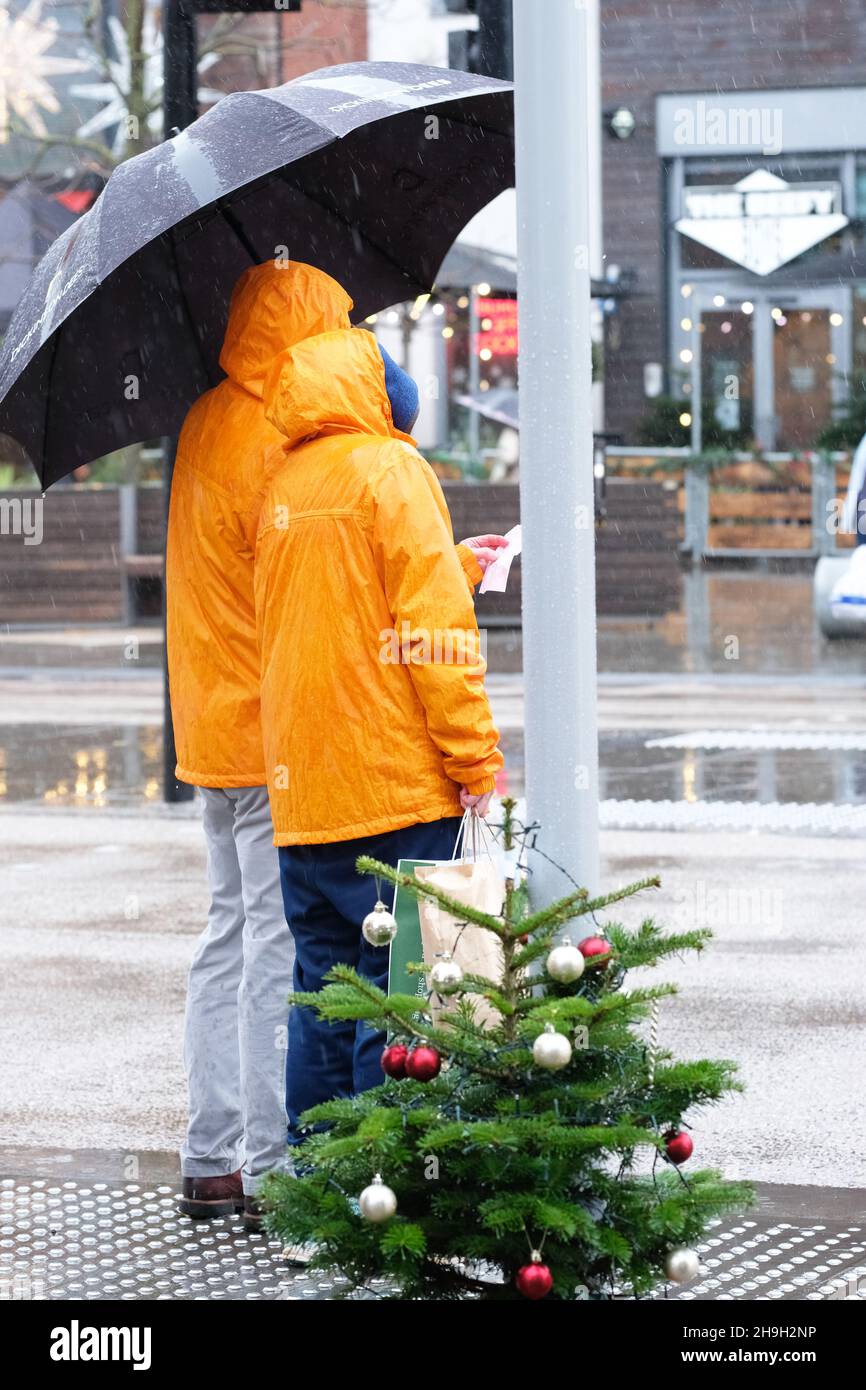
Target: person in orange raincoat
<point>377,728</point>
<point>241,972</point>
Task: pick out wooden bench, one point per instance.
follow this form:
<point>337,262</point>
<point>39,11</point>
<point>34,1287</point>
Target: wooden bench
<point>637,560</point>
<point>746,506</point>
<point>74,575</point>
<point>143,542</point>
<point>101,557</point>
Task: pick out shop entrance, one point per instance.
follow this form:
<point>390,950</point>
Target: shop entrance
<point>764,366</point>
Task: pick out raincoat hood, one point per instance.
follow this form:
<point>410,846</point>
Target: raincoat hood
<point>373,711</point>
<point>330,384</point>
<point>274,306</point>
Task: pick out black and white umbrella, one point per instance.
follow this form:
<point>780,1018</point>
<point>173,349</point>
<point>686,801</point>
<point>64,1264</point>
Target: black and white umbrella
<point>367,170</point>
<point>501,405</point>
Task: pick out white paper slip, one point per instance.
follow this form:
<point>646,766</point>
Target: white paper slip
<point>496,575</point>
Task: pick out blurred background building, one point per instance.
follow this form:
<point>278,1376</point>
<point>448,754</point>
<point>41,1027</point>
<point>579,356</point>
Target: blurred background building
<point>728,162</point>
<point>727,150</point>
<point>731,274</point>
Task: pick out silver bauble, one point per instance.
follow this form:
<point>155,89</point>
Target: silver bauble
<point>682,1265</point>
<point>379,927</point>
<point>377,1202</point>
<point>565,963</point>
<point>446,977</point>
<point>551,1050</point>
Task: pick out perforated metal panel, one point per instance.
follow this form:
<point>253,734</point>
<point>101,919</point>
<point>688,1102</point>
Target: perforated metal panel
<point>101,1241</point>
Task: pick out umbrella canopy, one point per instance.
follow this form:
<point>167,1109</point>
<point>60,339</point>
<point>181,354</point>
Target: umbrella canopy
<point>500,405</point>
<point>30,219</point>
<point>367,170</point>
<point>467,265</point>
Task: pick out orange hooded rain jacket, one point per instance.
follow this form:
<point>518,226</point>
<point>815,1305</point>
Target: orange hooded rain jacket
<point>372,682</point>
<point>226,453</point>
<point>220,477</point>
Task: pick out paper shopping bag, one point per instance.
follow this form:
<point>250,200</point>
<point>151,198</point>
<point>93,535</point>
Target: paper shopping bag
<point>477,883</point>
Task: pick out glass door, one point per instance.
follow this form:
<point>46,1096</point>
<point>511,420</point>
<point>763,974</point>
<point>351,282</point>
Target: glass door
<point>811,350</point>
<point>766,369</point>
<point>720,357</point>
<point>727,378</point>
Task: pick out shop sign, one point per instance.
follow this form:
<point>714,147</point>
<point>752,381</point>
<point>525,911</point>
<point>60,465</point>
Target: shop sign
<point>762,222</point>
<point>500,337</point>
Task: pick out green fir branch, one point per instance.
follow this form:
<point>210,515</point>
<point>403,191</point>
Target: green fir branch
<point>579,904</point>
<point>649,944</point>
<point>427,892</point>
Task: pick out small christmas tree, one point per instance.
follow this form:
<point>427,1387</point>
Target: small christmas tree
<point>500,1159</point>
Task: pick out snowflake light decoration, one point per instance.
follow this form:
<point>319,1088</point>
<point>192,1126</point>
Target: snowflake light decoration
<point>26,66</point>
<point>113,92</point>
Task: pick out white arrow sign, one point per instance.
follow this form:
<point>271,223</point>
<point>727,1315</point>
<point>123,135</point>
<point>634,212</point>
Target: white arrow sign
<point>762,222</point>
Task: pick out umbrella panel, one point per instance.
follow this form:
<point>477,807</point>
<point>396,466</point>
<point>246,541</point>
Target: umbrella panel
<point>377,210</point>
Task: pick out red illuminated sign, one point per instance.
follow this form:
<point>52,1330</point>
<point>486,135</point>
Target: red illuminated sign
<point>497,333</point>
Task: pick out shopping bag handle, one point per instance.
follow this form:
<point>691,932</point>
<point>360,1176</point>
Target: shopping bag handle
<point>481,837</point>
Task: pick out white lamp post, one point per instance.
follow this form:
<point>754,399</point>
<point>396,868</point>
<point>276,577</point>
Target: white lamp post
<point>556,457</point>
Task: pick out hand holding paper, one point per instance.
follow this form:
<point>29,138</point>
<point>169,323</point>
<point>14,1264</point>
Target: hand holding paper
<point>496,575</point>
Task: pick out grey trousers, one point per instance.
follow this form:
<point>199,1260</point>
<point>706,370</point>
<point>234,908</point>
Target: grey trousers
<point>236,1012</point>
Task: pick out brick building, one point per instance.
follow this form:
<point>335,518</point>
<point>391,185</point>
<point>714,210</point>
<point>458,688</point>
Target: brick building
<point>737,206</point>
<point>272,48</point>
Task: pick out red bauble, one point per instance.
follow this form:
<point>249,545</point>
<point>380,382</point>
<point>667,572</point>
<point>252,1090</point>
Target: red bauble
<point>678,1145</point>
<point>594,948</point>
<point>534,1281</point>
<point>393,1060</point>
<point>423,1063</point>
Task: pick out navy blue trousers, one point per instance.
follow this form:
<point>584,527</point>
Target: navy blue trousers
<point>326,900</point>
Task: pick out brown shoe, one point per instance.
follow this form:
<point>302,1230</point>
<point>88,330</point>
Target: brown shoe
<point>205,1198</point>
<point>253,1214</point>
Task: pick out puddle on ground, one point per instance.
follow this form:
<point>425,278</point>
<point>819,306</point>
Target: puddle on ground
<point>99,766</point>
<point>630,771</point>
<point>82,766</point>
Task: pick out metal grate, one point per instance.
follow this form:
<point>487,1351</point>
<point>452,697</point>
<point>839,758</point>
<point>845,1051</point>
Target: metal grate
<point>100,1241</point>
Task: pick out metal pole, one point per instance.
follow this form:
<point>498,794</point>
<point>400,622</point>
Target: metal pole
<point>556,473</point>
<point>474,378</point>
<point>495,39</point>
<point>179,64</point>
<point>180,108</point>
<point>596,200</point>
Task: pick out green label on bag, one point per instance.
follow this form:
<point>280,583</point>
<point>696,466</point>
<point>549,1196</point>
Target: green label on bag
<point>406,948</point>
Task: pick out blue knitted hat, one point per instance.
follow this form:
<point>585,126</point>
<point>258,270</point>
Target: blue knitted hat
<point>402,393</point>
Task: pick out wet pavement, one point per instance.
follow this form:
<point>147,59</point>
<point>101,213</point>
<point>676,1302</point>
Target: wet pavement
<point>82,709</point>
<point>812,756</point>
<point>104,894</point>
<point>745,621</point>
<point>100,912</point>
<point>731,621</point>
<point>74,1226</point>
